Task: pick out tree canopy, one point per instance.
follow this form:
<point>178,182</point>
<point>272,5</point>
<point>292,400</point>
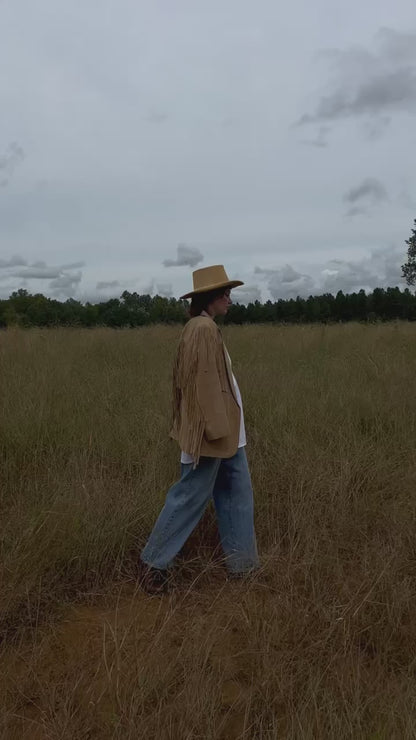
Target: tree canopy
<point>133,310</point>
<point>409,267</point>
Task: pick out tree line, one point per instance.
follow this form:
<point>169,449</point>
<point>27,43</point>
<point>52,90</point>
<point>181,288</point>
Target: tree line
<point>132,310</point>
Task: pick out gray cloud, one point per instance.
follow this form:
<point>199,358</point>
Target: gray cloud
<point>374,128</point>
<point>221,171</point>
<point>107,284</point>
<point>164,289</point>
<point>357,211</point>
<point>347,276</point>
<point>321,139</point>
<point>370,188</point>
<point>396,90</point>
<point>148,288</point>
<point>73,266</point>
<point>186,256</point>
<point>246,294</point>
<point>407,199</point>
<point>41,273</point>
<point>157,116</point>
<point>381,269</point>
<point>9,161</point>
<point>368,193</point>
<point>65,285</point>
<point>63,281</point>
<point>286,282</point>
<point>14,261</point>
<point>372,83</point>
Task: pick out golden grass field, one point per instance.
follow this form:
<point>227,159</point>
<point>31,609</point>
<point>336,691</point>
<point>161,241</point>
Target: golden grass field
<point>321,645</point>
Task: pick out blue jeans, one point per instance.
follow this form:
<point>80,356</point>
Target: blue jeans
<point>227,481</point>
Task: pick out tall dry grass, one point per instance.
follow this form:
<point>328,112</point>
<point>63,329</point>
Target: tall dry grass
<point>323,645</point>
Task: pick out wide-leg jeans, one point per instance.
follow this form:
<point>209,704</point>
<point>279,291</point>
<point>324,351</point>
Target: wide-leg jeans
<point>227,481</point>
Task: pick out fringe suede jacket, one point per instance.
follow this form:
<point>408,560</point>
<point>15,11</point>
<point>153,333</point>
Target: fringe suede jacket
<point>206,414</point>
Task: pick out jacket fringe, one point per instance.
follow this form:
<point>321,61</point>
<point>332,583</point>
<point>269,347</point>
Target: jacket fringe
<point>185,370</point>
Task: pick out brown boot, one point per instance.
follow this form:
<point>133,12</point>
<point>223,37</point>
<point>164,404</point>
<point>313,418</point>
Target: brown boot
<point>153,580</point>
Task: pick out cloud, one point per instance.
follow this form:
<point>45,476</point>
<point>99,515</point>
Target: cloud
<point>381,269</point>
<point>370,188</point>
<point>73,266</point>
<point>148,288</point>
<point>246,294</point>
<point>8,162</point>
<point>370,192</point>
<point>186,256</point>
<point>65,285</point>
<point>357,211</point>
<point>41,273</point>
<point>373,83</point>
<point>321,139</point>
<point>40,270</point>
<point>164,289</point>
<point>63,281</point>
<point>14,261</point>
<point>374,128</point>
<point>286,282</point>
<point>156,115</point>
<point>406,198</point>
<point>107,284</point>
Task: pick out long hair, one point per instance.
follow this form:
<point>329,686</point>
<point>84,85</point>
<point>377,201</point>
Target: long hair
<point>201,301</point>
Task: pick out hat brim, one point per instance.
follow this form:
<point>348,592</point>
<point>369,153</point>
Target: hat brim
<point>208,288</point>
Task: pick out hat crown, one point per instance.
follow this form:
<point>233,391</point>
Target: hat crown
<point>207,276</point>
<point>210,278</point>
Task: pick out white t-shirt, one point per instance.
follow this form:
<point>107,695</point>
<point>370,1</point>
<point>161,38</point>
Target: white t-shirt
<point>186,459</point>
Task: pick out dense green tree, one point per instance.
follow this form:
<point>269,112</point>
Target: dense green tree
<point>133,310</point>
<point>409,267</point>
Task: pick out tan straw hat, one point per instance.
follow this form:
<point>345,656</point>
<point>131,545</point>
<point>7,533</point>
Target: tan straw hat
<point>211,278</point>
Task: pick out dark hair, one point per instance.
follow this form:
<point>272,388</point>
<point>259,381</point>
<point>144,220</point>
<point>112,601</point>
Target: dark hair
<point>201,301</point>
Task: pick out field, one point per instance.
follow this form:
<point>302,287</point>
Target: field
<point>321,645</point>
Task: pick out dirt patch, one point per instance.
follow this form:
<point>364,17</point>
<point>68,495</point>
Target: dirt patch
<point>102,667</point>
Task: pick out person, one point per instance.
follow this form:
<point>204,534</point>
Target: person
<point>208,424</point>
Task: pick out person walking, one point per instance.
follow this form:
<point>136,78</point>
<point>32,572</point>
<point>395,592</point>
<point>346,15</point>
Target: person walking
<point>208,424</point>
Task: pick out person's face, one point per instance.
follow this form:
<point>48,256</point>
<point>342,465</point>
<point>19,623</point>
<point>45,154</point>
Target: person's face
<point>220,306</point>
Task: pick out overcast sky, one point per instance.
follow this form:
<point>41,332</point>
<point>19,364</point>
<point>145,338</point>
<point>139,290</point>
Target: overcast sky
<point>142,140</point>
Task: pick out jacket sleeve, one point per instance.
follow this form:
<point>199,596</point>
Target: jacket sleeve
<point>208,386</point>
